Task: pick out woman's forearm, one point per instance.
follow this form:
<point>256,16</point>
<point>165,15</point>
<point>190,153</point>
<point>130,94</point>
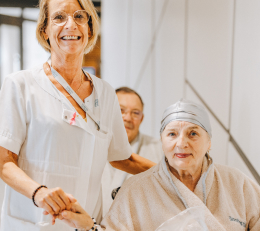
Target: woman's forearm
<point>52,200</point>
<point>15,177</point>
<point>134,165</point>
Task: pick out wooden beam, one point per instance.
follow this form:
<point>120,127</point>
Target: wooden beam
<point>31,3</point>
<point>9,20</point>
<point>19,3</point>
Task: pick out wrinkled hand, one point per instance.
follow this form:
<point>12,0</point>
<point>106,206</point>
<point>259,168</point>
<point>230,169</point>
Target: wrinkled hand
<point>77,217</point>
<point>54,201</point>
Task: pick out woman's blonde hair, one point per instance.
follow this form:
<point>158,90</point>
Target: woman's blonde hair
<point>93,24</point>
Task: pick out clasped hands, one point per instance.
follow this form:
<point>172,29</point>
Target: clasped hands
<point>63,206</point>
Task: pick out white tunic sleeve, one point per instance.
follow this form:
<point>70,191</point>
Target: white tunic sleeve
<point>12,115</point>
<point>119,148</point>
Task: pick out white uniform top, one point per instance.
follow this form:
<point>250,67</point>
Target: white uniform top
<point>143,145</point>
<point>35,124</point>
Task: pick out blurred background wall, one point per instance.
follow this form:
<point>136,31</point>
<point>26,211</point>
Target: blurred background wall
<point>204,50</point>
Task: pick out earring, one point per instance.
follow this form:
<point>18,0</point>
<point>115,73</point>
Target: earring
<point>207,153</point>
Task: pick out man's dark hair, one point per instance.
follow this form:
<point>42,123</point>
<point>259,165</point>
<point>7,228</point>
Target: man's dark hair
<point>130,91</point>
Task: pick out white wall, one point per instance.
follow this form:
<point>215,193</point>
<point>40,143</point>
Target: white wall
<point>143,48</point>
<point>207,51</point>
<point>34,54</point>
<point>246,80</point>
<point>9,50</point>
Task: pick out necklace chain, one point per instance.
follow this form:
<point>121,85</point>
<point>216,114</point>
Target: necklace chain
<point>80,84</point>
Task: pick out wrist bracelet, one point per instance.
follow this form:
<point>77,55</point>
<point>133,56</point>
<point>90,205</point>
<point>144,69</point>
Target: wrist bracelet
<point>95,227</point>
<point>36,190</point>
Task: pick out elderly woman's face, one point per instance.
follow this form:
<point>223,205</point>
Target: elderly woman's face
<point>185,144</point>
<point>60,36</point>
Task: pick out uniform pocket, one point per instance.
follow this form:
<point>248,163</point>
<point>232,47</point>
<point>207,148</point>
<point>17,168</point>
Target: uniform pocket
<point>10,223</point>
<point>103,135</point>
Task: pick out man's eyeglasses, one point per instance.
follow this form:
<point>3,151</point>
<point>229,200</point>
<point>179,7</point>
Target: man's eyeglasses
<point>135,114</point>
<point>60,18</point>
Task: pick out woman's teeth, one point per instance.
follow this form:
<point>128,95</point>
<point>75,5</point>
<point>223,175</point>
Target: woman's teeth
<point>70,37</point>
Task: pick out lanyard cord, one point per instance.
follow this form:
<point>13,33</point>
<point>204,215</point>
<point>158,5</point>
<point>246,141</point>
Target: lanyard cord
<point>50,71</point>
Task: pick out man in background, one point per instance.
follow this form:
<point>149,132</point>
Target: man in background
<point>131,105</point>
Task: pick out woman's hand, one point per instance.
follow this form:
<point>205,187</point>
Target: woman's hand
<point>77,218</point>
<point>54,201</point>
<point>134,164</point>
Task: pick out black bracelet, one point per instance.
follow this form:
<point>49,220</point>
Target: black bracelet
<point>36,190</point>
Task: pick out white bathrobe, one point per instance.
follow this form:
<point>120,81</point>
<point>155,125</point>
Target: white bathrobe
<point>143,145</point>
<point>230,199</point>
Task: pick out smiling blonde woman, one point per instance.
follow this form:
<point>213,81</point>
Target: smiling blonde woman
<point>59,125</point>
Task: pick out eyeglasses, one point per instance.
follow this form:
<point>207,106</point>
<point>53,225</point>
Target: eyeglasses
<point>135,114</point>
<point>60,18</point>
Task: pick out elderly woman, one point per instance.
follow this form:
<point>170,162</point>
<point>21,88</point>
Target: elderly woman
<point>186,177</point>
<point>59,125</point>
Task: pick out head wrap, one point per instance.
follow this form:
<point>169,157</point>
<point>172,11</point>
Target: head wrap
<point>186,110</point>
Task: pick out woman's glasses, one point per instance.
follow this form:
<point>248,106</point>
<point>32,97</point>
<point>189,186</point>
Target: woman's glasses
<point>60,18</point>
